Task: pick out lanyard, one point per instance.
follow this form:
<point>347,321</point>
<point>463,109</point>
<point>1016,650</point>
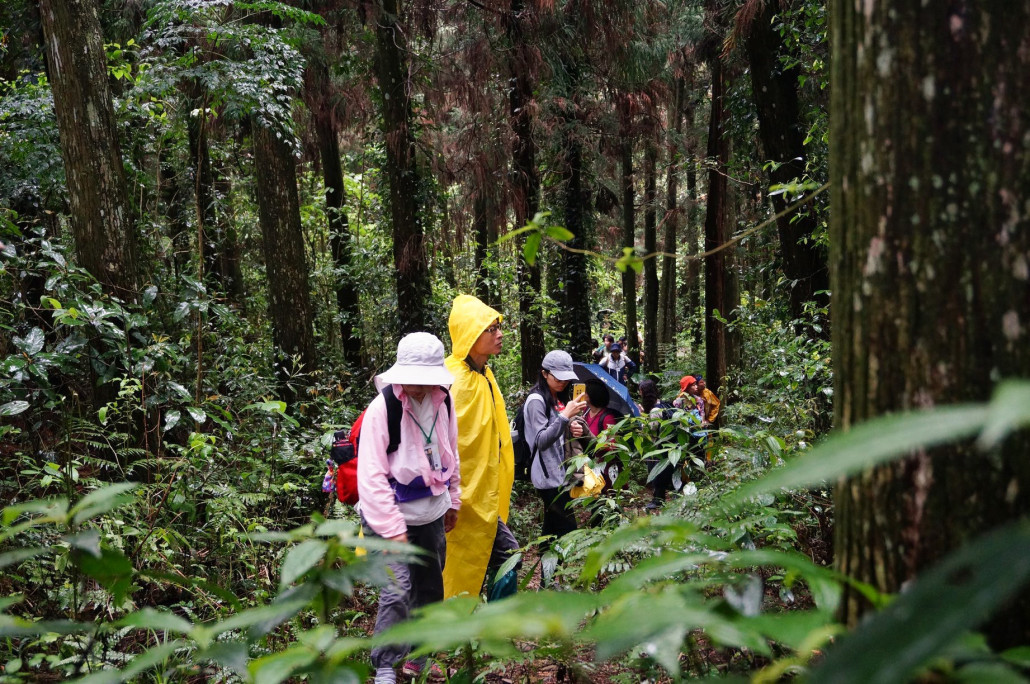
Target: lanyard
<point>432,428</point>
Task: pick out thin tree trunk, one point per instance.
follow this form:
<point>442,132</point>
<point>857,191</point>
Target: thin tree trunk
<point>775,93</point>
<point>629,236</point>
<point>481,226</point>
<point>930,237</point>
<point>326,130</point>
<point>716,233</point>
<point>102,220</point>
<point>406,185</point>
<point>667,307</point>
<point>576,313</point>
<point>289,296</point>
<point>652,364</point>
<point>526,190</point>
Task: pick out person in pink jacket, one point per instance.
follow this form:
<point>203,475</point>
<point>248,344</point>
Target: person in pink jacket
<point>412,493</point>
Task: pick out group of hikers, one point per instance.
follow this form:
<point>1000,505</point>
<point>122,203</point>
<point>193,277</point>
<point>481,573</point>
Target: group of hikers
<point>442,479</point>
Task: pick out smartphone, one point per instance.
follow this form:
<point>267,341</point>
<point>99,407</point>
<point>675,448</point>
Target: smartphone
<point>578,390</point>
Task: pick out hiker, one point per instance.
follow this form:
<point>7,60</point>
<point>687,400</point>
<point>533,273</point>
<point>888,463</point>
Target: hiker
<point>617,365</point>
<point>657,408</point>
<point>711,401</point>
<point>549,423</point>
<point>688,398</point>
<point>411,494</point>
<point>599,417</point>
<point>606,342</point>
<point>481,539</point>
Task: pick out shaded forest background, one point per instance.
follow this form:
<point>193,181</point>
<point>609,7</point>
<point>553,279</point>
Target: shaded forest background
<point>219,217</point>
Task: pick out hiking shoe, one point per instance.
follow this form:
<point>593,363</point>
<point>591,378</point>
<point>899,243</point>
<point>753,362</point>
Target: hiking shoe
<point>653,505</point>
<point>414,669</point>
<point>385,675</point>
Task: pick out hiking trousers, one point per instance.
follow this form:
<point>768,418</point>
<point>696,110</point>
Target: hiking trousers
<point>412,585</point>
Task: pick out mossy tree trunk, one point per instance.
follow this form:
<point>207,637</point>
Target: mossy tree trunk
<point>102,219</point>
<point>930,235</point>
<point>289,294</point>
<point>716,233</point>
<point>407,191</point>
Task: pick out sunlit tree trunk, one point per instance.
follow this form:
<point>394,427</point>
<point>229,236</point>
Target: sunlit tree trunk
<point>525,185</point>
<point>102,219</point>
<point>930,236</point>
<point>407,205</point>
<point>289,295</point>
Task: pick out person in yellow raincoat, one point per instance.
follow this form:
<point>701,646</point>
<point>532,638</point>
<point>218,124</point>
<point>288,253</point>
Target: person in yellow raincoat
<point>481,537</point>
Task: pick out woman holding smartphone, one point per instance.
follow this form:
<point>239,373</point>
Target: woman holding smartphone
<point>547,420</point>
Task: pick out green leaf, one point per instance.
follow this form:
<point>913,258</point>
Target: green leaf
<point>300,559</point>
<point>152,657</point>
<point>868,444</point>
<point>112,570</point>
<point>278,667</point>
<point>158,620</point>
<point>198,415</point>
<point>101,501</point>
<point>558,233</point>
<point>13,408</point>
<point>529,250</point>
<point>87,540</point>
<point>18,555</point>
<point>171,419</point>
<point>1019,656</point>
<point>958,594</point>
<point>1009,411</point>
<point>32,343</point>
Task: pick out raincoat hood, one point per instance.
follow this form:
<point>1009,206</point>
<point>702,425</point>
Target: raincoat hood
<point>469,318</point>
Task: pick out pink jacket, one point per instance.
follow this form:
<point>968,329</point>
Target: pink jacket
<point>375,468</point>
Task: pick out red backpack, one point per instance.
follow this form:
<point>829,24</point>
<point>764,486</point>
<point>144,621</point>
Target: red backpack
<point>344,452</point>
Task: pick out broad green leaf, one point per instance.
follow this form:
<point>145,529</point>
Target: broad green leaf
<point>958,594</point>
<point>87,540</point>
<point>278,407</point>
<point>231,654</point>
<point>1019,656</point>
<point>558,233</point>
<point>13,408</point>
<point>19,555</point>
<point>530,249</point>
<point>198,415</point>
<point>868,444</point>
<point>1009,411</point>
<point>159,620</point>
<point>101,501</point>
<point>300,559</point>
<point>171,419</point>
<point>11,626</point>
<point>278,667</point>
<point>152,657</point>
<point>32,343</point>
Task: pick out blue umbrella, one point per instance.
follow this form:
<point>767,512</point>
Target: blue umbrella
<point>618,395</point>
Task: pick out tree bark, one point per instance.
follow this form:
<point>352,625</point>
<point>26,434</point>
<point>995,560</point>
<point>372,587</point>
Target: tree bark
<point>651,290</point>
<point>481,225</point>
<point>326,130</point>
<point>576,309</point>
<point>716,233</point>
<point>289,296</point>
<point>102,219</point>
<point>930,236</point>
<point>406,185</point>
<point>526,186</point>
<point>629,236</point>
<point>667,307</point>
<point>775,93</point>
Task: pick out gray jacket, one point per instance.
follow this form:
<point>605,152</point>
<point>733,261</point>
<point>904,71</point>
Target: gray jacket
<point>545,435</point>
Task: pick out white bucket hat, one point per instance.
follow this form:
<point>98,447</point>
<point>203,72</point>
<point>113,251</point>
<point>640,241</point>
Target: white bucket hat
<point>419,362</point>
<point>559,364</point>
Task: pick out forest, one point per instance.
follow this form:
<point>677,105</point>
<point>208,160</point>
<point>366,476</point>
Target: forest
<point>218,218</point>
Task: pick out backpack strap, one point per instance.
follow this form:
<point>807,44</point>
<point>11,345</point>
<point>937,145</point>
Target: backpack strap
<point>394,412</point>
<point>532,447</point>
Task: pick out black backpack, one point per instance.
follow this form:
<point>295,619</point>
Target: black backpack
<point>524,454</point>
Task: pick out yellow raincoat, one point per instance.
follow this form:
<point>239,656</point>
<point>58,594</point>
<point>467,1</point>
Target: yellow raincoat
<point>712,404</point>
<point>484,449</point>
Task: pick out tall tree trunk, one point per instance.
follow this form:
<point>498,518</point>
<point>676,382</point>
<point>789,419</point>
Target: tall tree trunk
<point>716,233</point>
<point>481,219</point>
<point>667,308</point>
<point>629,236</point>
<point>576,314</point>
<point>407,194</point>
<point>930,115</point>
<point>652,363</point>
<point>526,186</point>
<point>102,219</point>
<point>289,295</point>
<point>775,93</point>
<point>326,129</point>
